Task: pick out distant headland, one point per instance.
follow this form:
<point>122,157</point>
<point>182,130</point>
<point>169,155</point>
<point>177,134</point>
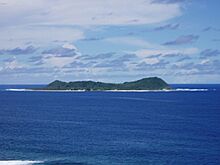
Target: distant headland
<point>151,83</point>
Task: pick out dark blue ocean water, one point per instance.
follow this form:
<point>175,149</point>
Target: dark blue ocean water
<point>111,128</point>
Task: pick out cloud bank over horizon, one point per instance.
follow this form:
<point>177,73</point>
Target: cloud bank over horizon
<point>111,41</point>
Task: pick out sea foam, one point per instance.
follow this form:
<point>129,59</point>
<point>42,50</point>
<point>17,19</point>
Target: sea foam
<point>164,90</point>
<point>18,162</point>
<point>190,90</point>
<point>17,90</point>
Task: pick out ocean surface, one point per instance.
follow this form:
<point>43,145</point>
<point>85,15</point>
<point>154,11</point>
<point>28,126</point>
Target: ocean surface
<point>110,128</point>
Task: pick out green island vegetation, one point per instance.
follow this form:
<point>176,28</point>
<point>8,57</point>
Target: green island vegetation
<point>151,83</point>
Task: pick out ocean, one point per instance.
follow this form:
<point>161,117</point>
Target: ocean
<point>110,128</point>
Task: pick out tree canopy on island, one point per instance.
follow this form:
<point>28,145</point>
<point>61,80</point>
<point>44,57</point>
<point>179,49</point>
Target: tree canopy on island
<point>151,83</point>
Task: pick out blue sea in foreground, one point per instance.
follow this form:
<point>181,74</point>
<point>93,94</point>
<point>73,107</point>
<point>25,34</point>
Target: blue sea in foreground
<point>110,128</point>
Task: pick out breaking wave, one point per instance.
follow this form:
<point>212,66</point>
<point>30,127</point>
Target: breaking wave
<point>19,162</point>
<point>172,90</point>
<point>190,90</point>
<point>11,89</point>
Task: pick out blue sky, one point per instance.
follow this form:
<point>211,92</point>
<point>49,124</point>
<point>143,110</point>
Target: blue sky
<point>111,41</point>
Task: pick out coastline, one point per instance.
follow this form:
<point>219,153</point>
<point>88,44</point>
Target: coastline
<point>163,90</point>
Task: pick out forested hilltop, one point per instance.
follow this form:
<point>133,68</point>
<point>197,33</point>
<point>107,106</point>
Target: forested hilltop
<point>151,83</point>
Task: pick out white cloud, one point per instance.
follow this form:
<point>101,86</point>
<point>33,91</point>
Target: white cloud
<point>40,22</point>
<point>206,61</point>
<point>69,46</point>
<point>12,64</point>
<point>152,61</point>
<point>86,12</point>
<point>146,53</point>
<point>17,36</point>
<point>149,49</point>
<point>57,61</point>
<point>133,41</point>
<point>189,51</point>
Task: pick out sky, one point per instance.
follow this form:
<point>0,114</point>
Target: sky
<point>109,40</point>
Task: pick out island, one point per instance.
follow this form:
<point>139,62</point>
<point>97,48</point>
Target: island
<point>151,83</point>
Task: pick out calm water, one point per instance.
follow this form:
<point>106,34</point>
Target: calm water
<point>110,128</point>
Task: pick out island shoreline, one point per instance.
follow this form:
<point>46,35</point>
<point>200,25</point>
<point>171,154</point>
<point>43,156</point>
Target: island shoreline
<point>139,91</point>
